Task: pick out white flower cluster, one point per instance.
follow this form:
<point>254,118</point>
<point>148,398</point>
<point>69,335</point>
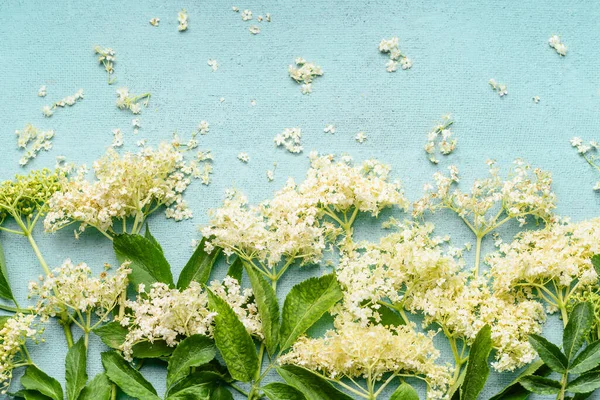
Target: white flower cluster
<point>304,72</point>
<point>71,289</point>
<point>202,168</point>
<point>154,21</point>
<point>589,152</point>
<point>33,140</point>
<point>182,18</point>
<point>329,128</point>
<point>117,138</point>
<point>213,64</point>
<point>290,139</point>
<point>246,15</point>
<point>243,157</point>
<point>391,46</point>
<point>557,45</point>
<point>14,334</point>
<point>127,101</point>
<point>360,137</point>
<point>446,143</point>
<point>131,185</point>
<point>255,30</point>
<point>42,91</point>
<point>106,57</point>
<point>48,111</point>
<point>171,315</point>
<point>498,87</point>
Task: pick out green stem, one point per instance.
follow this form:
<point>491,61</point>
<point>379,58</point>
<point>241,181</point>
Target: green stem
<point>68,334</point>
<point>477,254</point>
<point>238,389</point>
<point>16,309</point>
<point>563,385</point>
<point>38,253</point>
<point>113,392</point>
<point>11,231</point>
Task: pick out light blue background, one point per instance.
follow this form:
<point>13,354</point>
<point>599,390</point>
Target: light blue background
<point>456,48</point>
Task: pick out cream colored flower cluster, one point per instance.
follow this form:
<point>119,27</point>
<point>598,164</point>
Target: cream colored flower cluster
<point>106,57</point>
<point>370,352</point>
<point>48,111</point>
<point>304,72</point>
<point>557,45</point>
<point>33,140</point>
<point>290,139</point>
<point>72,288</point>
<point>170,315</point>
<point>14,334</point>
<point>128,101</point>
<point>128,185</point>
<point>391,46</point>
<point>441,134</point>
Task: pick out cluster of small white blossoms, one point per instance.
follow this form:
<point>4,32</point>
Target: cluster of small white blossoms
<point>498,87</point>
<point>182,18</point>
<point>560,253</point>
<point>588,151</point>
<point>203,127</point>
<point>370,352</point>
<point>290,138</point>
<point>557,45</point>
<point>14,334</point>
<point>171,315</point>
<point>72,289</point>
<point>213,64</point>
<point>271,172</point>
<point>106,57</point>
<point>154,21</point>
<point>329,128</point>
<point>243,157</point>
<point>247,16</point>
<point>127,101</point>
<point>131,185</point>
<point>117,138</point>
<point>42,91</point>
<point>33,140</point>
<point>446,144</point>
<point>305,74</point>
<point>391,46</point>
<point>48,111</point>
<point>360,137</point>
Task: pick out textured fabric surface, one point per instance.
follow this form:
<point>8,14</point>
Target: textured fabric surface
<point>456,48</point>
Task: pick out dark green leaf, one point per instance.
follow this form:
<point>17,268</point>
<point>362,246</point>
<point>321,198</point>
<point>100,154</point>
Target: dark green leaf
<point>235,269</point>
<point>30,395</point>
<point>453,391</point>
<point>5,291</point>
<point>198,392</point>
<point>198,267</point>
<point>477,366</point>
<point>585,383</point>
<point>76,374</point>
<point>540,385</point>
<point>112,334</point>
<point>158,349</point>
<point>36,379</point>
<point>148,264</point>
<point>582,396</point>
<point>99,388</point>
<point>514,390</point>
<point>233,341</point>
<point>389,317</point>
<point>405,392</point>
<point>268,307</point>
<point>305,304</point>
<point>211,379</point>
<point>596,263</point>
<point>191,352</point>
<point>579,325</point>
<point>148,235</point>
<point>281,391</point>
<point>549,353</point>
<point>221,393</point>
<point>127,378</point>
<point>588,359</point>
<point>312,386</point>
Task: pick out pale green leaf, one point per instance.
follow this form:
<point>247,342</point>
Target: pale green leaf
<point>76,374</point>
<point>580,322</point>
<point>312,386</point>
<point>191,352</point>
<point>36,379</point>
<point>148,263</point>
<point>405,392</point>
<point>198,267</point>
<point>281,391</point>
<point>477,366</point>
<point>127,378</point>
<point>99,388</point>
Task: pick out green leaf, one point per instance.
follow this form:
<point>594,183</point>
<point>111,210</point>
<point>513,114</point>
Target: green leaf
<point>148,235</point>
<point>99,388</point>
<point>235,269</point>
<point>198,392</point>
<point>221,393</point>
<point>76,374</point>
<point>580,322</point>
<point>305,304</point>
<point>453,391</point>
<point>5,291</point>
<point>585,383</point>
<point>233,341</point>
<point>514,390</point>
<point>589,358</point>
<point>596,263</point>
<point>148,263</point>
<point>198,267</point>
<point>191,352</point>
<point>312,386</point>
<point>209,378</point>
<point>126,377</point>
<point>36,379</point>
<point>549,353</point>
<point>281,391</point>
<point>477,366</point>
<point>405,392</point>
<point>389,317</point>
<point>540,385</point>
<point>268,307</point>
<point>112,334</point>
<point>157,349</point>
<point>30,395</point>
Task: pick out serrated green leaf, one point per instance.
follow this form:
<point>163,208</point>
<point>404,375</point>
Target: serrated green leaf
<point>281,391</point>
<point>99,388</point>
<point>596,263</point>
<point>158,349</point>
<point>580,322</point>
<point>477,366</point>
<point>198,267</point>
<point>191,352</point>
<point>540,385</point>
<point>585,383</point>
<point>549,353</point>
<point>514,390</point>
<point>268,307</point>
<point>30,395</point>
<point>312,386</point>
<point>212,379</point>
<point>235,269</point>
<point>148,263</point>
<point>405,392</point>
<point>36,379</point>
<point>76,374</point>
<point>148,235</point>
<point>5,290</point>
<point>588,359</point>
<point>233,341</point>
<point>126,377</point>
<point>198,392</point>
<point>112,334</point>
<point>390,317</point>
<point>221,393</point>
<point>305,304</point>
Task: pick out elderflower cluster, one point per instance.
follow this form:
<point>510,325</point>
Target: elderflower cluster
<point>446,144</point>
<point>33,140</point>
<point>42,91</point>
<point>498,87</point>
<point>391,46</point>
<point>557,45</point>
<point>128,185</point>
<point>48,111</point>
<point>290,139</point>
<point>182,18</point>
<point>14,334</point>
<point>243,157</point>
<point>171,315</point>
<point>106,57</point>
<point>369,352</point>
<point>154,21</point>
<point>589,151</point>
<point>72,288</point>
<point>304,72</point>
<point>127,101</point>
